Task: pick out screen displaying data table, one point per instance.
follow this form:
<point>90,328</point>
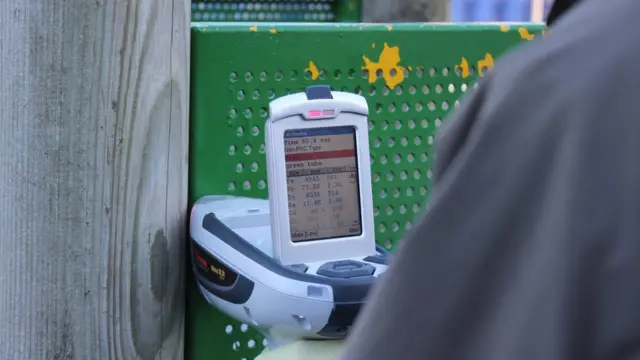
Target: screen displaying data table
<point>322,183</point>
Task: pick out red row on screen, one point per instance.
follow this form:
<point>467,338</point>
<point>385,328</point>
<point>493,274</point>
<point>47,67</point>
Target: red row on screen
<point>334,154</point>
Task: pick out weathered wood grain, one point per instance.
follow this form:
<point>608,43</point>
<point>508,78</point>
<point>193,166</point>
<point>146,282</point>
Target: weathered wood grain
<point>385,11</point>
<point>93,170</point>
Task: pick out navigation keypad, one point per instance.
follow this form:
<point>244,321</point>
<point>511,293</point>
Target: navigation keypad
<point>344,269</point>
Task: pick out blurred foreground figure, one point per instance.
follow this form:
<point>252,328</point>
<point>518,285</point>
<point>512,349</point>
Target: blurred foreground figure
<point>530,247</point>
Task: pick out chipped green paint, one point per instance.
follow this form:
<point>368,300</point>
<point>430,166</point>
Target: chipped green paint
<point>231,90</point>
<point>275,10</point>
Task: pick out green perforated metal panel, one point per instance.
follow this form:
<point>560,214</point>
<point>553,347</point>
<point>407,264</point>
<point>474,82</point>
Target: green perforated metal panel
<point>412,76</point>
<point>276,10</point>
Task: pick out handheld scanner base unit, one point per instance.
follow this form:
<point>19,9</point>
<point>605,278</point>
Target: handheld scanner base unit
<point>319,176</point>
<point>231,249</point>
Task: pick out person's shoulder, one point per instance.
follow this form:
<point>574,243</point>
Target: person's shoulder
<point>582,77</point>
<point>595,43</point>
<point>589,57</point>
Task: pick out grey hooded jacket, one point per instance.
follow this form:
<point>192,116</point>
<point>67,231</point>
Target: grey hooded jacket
<point>530,245</point>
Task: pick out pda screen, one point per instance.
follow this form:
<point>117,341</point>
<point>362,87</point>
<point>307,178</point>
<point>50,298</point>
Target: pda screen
<point>322,183</point>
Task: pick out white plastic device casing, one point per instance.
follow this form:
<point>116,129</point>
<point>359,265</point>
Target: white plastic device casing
<point>279,306</point>
<point>274,299</point>
<point>291,113</point>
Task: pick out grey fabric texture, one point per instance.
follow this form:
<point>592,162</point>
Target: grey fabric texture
<point>530,245</point>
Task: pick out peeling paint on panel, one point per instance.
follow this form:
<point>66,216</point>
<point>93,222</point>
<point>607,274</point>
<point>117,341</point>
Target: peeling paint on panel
<point>388,64</point>
<point>464,68</point>
<point>313,69</point>
<point>525,34</point>
<point>485,64</point>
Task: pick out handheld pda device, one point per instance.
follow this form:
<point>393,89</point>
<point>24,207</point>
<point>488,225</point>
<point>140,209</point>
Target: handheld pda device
<point>319,176</point>
<point>300,264</point>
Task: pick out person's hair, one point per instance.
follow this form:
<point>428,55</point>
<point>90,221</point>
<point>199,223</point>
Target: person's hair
<point>559,8</point>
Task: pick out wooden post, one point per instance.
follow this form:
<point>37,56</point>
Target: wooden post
<point>93,170</point>
<point>388,11</point>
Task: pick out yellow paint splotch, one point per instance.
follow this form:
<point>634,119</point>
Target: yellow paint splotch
<point>388,64</point>
<point>525,34</point>
<point>273,31</point>
<point>313,70</point>
<point>254,28</point>
<point>389,27</point>
<point>373,46</point>
<point>485,64</point>
<point>504,28</point>
<point>464,68</point>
